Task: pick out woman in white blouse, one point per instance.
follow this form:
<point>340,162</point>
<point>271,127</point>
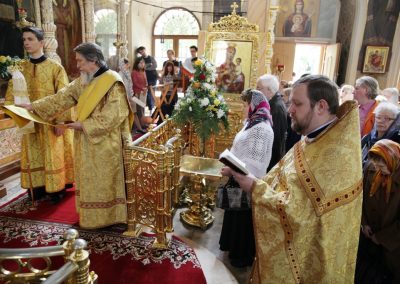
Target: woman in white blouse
<point>253,146</point>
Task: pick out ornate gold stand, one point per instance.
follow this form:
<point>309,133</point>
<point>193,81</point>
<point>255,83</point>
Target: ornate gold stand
<point>199,170</point>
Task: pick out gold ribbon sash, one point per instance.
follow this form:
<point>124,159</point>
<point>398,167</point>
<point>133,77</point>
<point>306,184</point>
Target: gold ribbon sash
<point>93,93</point>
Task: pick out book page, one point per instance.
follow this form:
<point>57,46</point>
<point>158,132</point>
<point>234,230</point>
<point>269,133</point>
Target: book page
<point>233,162</point>
<point>23,114</point>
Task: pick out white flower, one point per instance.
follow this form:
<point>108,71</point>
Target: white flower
<point>190,108</point>
<point>220,113</point>
<point>204,102</point>
<point>188,100</point>
<point>207,86</point>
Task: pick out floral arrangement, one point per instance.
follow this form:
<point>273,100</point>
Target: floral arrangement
<point>202,106</point>
<point>5,62</point>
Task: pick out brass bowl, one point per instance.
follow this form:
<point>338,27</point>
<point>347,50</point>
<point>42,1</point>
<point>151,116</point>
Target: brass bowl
<point>205,167</point>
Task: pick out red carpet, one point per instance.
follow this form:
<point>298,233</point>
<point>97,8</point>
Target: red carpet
<point>115,258</point>
<point>62,212</point>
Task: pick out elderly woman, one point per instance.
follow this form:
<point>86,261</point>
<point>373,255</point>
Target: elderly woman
<point>387,126</point>
<point>379,248</point>
<point>253,146</point>
<point>365,92</point>
<point>346,93</point>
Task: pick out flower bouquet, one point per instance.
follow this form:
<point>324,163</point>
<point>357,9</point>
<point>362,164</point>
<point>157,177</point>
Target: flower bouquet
<point>5,62</point>
<point>202,106</point>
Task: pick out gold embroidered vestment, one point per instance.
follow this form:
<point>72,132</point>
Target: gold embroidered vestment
<point>99,172</point>
<point>50,156</point>
<point>307,209</point>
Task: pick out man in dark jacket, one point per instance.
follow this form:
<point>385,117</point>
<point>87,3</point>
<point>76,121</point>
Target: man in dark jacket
<point>269,86</point>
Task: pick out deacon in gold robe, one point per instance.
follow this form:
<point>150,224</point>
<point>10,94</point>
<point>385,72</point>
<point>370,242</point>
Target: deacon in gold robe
<point>307,209</point>
<point>46,154</point>
<point>101,130</point>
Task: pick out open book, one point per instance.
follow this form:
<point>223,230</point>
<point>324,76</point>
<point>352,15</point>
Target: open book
<point>233,162</point>
<point>22,116</point>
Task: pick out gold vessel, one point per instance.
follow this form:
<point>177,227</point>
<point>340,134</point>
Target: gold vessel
<point>199,170</point>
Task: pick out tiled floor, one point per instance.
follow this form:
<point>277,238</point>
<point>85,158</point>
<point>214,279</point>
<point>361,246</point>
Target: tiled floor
<point>215,263</point>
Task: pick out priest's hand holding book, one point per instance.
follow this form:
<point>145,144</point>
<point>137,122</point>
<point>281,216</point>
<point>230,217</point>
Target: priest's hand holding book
<point>238,170</point>
<point>59,129</point>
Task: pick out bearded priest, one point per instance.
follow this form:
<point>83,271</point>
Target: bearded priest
<point>307,209</point>
<point>101,130</point>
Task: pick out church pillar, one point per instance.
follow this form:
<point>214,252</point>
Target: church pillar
<point>273,13</point>
<point>124,7</point>
<point>393,76</point>
<point>37,14</point>
<point>49,28</point>
<point>257,12</point>
<point>360,18</point>
<point>90,34</point>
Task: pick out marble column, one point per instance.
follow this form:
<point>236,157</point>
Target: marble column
<point>90,35</point>
<point>357,35</point>
<point>273,13</point>
<point>393,75</point>
<point>257,13</point>
<point>124,7</point>
<point>49,28</point>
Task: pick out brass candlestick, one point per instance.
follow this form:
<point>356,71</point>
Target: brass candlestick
<point>118,44</point>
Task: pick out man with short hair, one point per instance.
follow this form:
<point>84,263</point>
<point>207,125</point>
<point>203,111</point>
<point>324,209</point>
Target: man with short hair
<point>307,210</point>
<point>101,131</point>
<point>365,92</point>
<point>46,155</point>
<point>151,74</point>
<point>187,64</point>
<point>269,86</point>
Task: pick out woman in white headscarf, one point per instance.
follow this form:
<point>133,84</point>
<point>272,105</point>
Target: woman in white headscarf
<point>253,146</point>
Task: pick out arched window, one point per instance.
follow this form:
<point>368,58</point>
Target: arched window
<point>105,25</point>
<point>175,29</point>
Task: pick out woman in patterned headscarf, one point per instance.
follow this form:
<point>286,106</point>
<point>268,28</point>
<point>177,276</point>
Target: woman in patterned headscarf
<point>253,146</point>
<point>380,237</point>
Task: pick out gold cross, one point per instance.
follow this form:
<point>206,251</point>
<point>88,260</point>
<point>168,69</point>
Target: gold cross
<point>234,6</point>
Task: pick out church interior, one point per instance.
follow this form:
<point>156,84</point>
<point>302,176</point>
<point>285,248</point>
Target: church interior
<point>172,176</point>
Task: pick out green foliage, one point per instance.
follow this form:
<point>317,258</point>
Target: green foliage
<point>202,106</point>
<point>107,23</point>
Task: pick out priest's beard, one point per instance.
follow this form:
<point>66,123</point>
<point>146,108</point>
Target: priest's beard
<point>86,78</point>
<point>300,125</point>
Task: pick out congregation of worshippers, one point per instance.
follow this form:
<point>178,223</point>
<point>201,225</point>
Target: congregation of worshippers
<point>320,202</point>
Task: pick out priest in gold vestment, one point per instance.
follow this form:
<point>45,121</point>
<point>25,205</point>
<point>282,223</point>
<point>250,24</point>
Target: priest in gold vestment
<point>307,209</point>
<point>46,154</point>
<point>101,130</point>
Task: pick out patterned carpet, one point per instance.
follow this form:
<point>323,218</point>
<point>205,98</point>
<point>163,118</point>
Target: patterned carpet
<point>115,258</point>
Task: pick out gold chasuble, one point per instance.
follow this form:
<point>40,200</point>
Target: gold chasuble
<point>50,157</point>
<point>99,173</point>
<point>307,209</point>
